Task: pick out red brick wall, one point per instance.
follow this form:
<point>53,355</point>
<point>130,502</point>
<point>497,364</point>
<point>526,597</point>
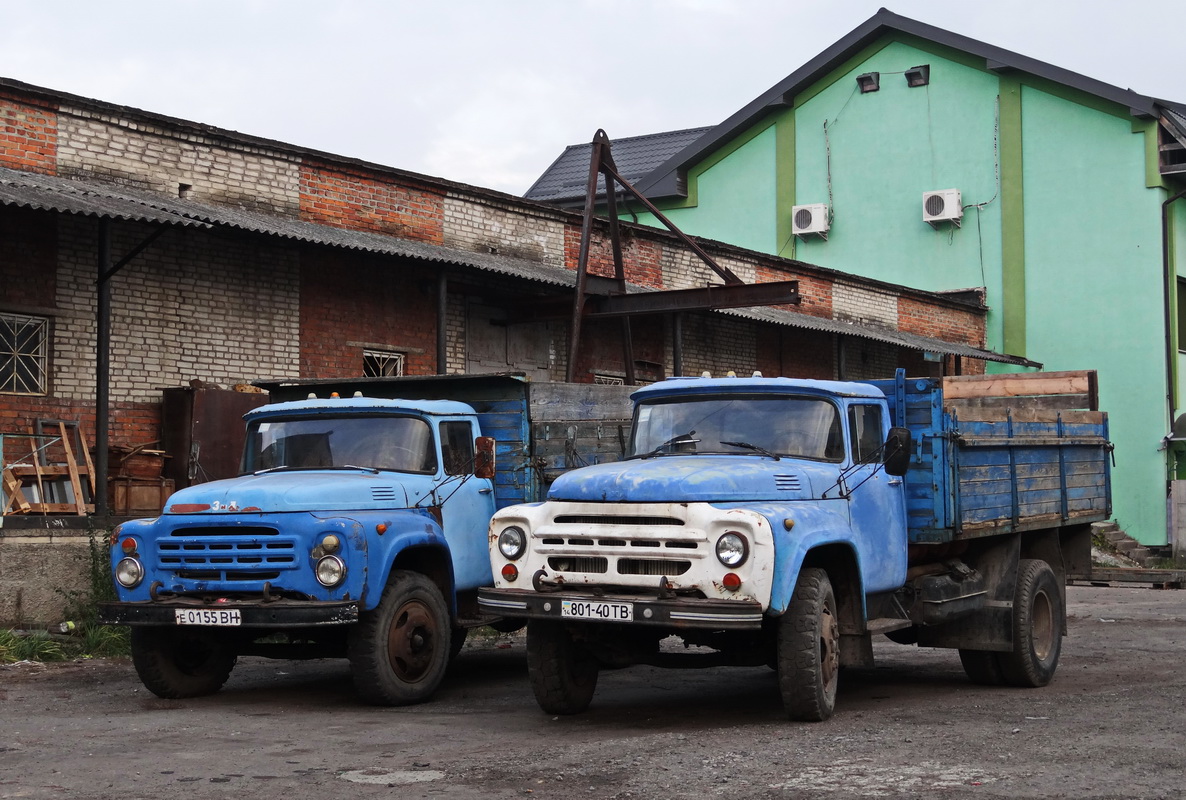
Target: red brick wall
<point>132,424</point>
<point>601,348</point>
<point>350,298</point>
<point>351,199</point>
<point>28,135</point>
<point>940,322</point>
<point>641,258</point>
<point>28,258</point>
<point>796,353</point>
<point>816,293</point>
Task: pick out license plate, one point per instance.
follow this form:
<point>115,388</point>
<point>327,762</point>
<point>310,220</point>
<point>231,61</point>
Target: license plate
<point>223,617</point>
<point>598,610</point>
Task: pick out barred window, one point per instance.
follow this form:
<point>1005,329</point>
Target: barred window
<point>382,364</point>
<point>24,354</point>
<point>608,380</point>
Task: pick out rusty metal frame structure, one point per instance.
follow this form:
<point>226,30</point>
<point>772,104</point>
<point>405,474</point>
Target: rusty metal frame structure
<point>597,297</point>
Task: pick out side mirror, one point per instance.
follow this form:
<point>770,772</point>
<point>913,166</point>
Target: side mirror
<point>898,449</point>
<point>484,457</point>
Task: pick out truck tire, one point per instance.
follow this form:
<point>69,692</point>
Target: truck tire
<point>399,650</point>
<point>181,662</point>
<point>983,667</point>
<point>457,641</point>
<point>1037,627</point>
<point>809,649</point>
<point>563,674</point>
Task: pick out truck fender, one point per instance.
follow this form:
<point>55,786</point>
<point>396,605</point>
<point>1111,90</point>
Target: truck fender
<point>792,551</point>
<point>412,540</point>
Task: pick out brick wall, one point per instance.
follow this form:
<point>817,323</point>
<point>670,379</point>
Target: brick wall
<point>348,198</point>
<point>350,302</point>
<point>179,312</point>
<point>492,227</point>
<point>28,258</point>
<point>156,158</point>
<point>928,319</point>
<point>28,134</point>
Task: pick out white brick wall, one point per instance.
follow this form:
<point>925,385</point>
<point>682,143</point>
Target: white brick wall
<point>485,227</point>
<point>158,160</point>
<point>856,304</point>
<point>233,319</point>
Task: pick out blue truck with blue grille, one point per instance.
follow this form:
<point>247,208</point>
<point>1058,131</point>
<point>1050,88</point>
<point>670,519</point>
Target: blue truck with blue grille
<point>781,522</point>
<point>357,528</point>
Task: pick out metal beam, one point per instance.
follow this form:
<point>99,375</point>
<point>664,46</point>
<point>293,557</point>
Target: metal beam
<point>704,298</point>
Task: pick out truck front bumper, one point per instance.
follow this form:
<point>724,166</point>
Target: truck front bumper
<point>679,612</point>
<point>252,613</point>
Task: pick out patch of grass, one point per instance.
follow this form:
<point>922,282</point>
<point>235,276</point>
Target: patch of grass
<point>91,639</point>
<point>19,646</point>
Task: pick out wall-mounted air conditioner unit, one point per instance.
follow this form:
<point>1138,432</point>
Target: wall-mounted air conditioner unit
<point>942,206</point>
<point>810,219</point>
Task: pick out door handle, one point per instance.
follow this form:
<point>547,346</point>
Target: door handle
<point>488,490</point>
<point>894,481</point>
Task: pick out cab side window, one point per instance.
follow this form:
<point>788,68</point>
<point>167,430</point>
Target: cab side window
<point>865,433</point>
<point>457,447</point>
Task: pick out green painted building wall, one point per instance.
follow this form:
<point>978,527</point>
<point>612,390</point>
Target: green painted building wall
<point>1062,223</point>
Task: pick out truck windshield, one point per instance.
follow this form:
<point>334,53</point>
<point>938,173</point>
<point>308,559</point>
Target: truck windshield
<point>801,427</point>
<point>404,444</point>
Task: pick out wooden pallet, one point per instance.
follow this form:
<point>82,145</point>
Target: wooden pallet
<point>18,478</point>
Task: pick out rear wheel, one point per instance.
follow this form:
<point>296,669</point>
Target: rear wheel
<point>1037,627</point>
<point>181,662</point>
<point>563,674</point>
<point>982,667</point>
<point>399,651</point>
<point>809,649</point>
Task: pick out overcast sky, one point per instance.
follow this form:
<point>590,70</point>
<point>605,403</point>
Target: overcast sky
<point>489,92</point>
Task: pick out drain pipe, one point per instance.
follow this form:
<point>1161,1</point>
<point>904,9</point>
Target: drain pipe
<point>1171,347</point>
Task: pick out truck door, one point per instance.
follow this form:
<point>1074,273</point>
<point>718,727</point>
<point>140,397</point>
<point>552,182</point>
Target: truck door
<point>877,501</point>
<point>467,503</point>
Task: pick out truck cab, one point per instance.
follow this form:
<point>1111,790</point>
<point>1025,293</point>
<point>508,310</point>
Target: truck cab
<point>353,529</point>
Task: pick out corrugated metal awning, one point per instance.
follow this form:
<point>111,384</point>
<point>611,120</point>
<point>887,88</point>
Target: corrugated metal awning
<point>91,198</point>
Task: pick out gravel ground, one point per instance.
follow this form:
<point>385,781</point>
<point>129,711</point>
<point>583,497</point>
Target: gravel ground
<point>1110,725</point>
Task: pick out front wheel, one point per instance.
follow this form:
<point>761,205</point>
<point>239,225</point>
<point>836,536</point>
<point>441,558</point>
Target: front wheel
<point>1037,627</point>
<point>399,650</point>
<point>809,649</point>
<point>181,662</point>
<point>563,674</point>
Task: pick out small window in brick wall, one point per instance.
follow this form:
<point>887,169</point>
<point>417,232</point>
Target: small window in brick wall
<point>608,380</point>
<point>382,364</point>
<point>24,354</point>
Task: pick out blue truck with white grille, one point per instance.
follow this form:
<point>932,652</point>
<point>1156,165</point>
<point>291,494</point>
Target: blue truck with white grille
<point>782,522</point>
<point>357,528</point>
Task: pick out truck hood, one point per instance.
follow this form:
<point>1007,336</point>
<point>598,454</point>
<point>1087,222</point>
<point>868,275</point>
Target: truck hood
<point>705,478</point>
<point>313,490</point>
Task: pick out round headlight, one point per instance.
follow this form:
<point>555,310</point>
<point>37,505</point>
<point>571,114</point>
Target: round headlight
<point>331,571</point>
<point>732,549</point>
<point>512,542</point>
<point>129,572</point>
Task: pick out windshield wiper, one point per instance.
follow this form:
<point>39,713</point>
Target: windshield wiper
<point>289,467</point>
<point>683,438</point>
<point>755,448</point>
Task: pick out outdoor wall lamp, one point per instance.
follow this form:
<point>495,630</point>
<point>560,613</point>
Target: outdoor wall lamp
<point>869,82</point>
<point>918,76</point>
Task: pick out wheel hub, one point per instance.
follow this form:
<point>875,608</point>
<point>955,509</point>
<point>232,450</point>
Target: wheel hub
<point>411,641</point>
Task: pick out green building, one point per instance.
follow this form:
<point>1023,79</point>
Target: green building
<point>913,155</point>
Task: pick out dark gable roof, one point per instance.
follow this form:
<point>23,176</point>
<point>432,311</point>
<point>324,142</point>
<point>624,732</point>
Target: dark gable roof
<point>564,183</point>
<point>664,181</point>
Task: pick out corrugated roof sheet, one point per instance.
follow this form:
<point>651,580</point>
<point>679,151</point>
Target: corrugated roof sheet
<point>568,177</point>
<point>91,198</point>
<point>877,333</point>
